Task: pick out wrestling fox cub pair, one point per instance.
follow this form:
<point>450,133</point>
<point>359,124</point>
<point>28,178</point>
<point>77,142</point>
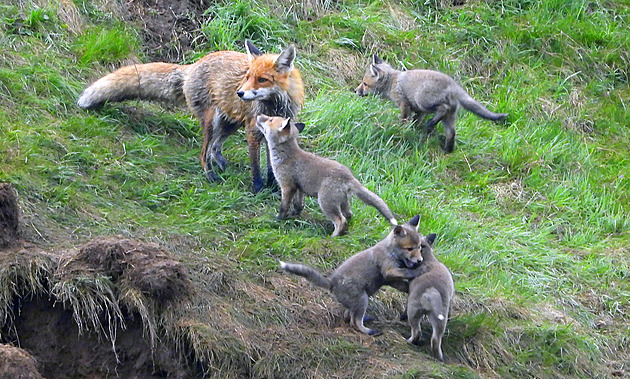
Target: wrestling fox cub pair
<point>403,260</point>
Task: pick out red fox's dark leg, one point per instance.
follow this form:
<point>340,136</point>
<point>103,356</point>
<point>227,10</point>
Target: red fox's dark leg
<point>206,127</point>
<point>223,127</point>
<point>253,144</point>
<point>416,329</point>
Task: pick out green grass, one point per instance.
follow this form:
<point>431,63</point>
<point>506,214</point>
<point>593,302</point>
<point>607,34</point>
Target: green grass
<point>532,215</point>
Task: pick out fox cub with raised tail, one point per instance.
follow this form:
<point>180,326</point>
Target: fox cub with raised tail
<point>430,294</point>
<point>225,90</point>
<point>423,92</point>
<point>302,173</point>
<point>394,259</point>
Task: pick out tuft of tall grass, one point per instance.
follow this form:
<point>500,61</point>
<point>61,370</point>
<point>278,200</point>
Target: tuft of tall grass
<point>106,46</point>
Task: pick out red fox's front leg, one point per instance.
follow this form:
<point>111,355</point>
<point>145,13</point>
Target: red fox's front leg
<point>206,127</point>
<point>253,144</point>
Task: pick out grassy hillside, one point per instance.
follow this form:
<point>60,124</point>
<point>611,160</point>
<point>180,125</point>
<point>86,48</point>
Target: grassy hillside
<point>532,215</point>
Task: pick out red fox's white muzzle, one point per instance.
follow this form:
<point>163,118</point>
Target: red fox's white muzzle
<point>254,94</point>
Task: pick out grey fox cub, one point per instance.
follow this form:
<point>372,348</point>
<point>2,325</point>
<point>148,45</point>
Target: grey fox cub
<point>302,173</point>
<point>430,294</point>
<point>423,92</point>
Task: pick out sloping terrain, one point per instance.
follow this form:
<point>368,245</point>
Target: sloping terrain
<point>122,260</point>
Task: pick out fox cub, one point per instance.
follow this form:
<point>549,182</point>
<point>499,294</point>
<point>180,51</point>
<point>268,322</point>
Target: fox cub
<point>364,273</point>
<point>430,294</point>
<point>302,173</point>
<point>423,92</point>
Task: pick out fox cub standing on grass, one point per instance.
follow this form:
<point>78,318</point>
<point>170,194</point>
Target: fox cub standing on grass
<point>302,173</point>
<point>224,89</point>
<point>430,294</point>
<point>423,92</point>
<point>364,273</point>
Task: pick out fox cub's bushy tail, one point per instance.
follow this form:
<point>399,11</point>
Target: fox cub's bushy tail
<point>466,101</point>
<point>370,198</point>
<point>309,273</point>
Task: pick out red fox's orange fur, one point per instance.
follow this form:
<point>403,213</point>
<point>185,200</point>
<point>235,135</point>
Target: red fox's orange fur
<point>224,89</point>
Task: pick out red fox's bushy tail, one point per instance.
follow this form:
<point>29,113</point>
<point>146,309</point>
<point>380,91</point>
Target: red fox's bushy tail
<point>370,198</point>
<point>477,108</point>
<point>309,273</point>
<point>151,81</point>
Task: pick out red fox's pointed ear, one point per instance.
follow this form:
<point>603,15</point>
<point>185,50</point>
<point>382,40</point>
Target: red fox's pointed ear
<point>284,62</point>
<point>300,126</point>
<point>376,59</point>
<point>252,51</point>
<point>431,238</point>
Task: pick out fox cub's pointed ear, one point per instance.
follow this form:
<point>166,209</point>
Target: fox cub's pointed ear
<point>252,51</point>
<point>399,231</point>
<point>300,126</point>
<point>431,238</point>
<point>375,71</point>
<point>376,59</point>
<point>284,62</point>
<point>415,221</point>
<point>285,123</point>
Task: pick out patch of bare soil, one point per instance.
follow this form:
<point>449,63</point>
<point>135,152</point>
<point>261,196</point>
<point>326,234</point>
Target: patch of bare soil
<point>47,330</point>
<point>17,363</point>
<point>44,325</point>
<point>169,28</point>
<point>46,296</point>
<point>9,216</point>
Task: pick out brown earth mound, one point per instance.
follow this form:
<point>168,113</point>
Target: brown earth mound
<point>9,216</point>
<point>95,312</point>
<point>142,266</point>
<point>169,28</point>
<point>16,363</point>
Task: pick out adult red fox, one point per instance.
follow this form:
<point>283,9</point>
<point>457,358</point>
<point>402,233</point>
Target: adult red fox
<point>224,89</point>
